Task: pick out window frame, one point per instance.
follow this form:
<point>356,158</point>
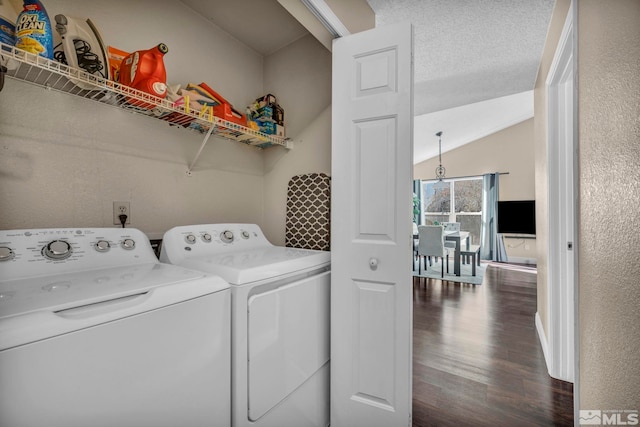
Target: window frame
<point>452,214</point>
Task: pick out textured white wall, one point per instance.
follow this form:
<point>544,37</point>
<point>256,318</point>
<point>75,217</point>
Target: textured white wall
<point>609,128</point>
<point>312,154</point>
<point>300,76</point>
<point>65,160</point>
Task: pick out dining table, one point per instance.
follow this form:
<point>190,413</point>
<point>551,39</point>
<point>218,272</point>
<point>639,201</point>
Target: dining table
<point>458,237</point>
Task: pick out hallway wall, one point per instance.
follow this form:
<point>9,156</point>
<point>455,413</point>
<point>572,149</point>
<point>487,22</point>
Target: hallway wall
<point>609,129</point>
<point>608,198</point>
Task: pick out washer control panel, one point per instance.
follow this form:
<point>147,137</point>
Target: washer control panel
<point>227,236</point>
<point>25,253</point>
<point>211,239</point>
<point>57,250</point>
<point>6,253</point>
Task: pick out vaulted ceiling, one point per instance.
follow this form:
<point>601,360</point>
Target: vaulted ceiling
<point>470,51</point>
<point>475,65</point>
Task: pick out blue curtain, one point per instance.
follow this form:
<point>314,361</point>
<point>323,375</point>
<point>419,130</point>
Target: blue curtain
<point>417,191</point>
<point>491,243</point>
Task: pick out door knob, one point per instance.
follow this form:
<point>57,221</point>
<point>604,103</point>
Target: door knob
<point>373,263</point>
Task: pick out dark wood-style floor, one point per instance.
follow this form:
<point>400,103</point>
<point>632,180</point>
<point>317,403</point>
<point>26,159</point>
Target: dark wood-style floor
<point>477,360</point>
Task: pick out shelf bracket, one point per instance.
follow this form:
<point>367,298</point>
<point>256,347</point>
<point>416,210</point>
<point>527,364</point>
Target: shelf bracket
<point>204,142</point>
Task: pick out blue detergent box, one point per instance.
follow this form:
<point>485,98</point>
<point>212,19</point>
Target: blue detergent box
<point>271,128</point>
<point>263,113</point>
<point>267,127</point>
<point>7,32</point>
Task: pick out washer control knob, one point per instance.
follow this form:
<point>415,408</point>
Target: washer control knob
<point>227,236</point>
<point>102,246</point>
<point>190,239</point>
<point>128,244</point>
<point>6,253</point>
<point>57,249</point>
<point>245,234</point>
<point>206,237</point>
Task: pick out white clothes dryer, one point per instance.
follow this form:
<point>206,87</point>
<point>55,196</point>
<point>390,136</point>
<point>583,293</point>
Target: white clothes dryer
<point>95,331</point>
<point>280,320</point>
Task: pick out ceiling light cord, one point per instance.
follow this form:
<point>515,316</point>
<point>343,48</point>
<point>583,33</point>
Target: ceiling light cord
<point>440,170</point>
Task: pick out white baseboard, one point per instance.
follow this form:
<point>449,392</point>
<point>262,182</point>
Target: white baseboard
<point>543,342</point>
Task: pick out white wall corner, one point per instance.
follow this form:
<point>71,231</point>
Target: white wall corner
<point>299,11</point>
<point>543,342</point>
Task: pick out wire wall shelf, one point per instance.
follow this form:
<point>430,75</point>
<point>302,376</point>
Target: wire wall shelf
<point>50,74</point>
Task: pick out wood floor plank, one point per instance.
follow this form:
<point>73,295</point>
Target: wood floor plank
<point>477,360</point>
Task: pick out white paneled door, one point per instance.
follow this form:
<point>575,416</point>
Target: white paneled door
<point>371,287</point>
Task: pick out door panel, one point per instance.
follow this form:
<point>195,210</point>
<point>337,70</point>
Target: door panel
<point>371,305</point>
<point>373,357</point>
<point>374,180</point>
<point>375,72</point>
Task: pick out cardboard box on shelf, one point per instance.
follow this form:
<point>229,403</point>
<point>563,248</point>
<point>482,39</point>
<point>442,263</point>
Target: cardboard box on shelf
<point>263,113</point>
<point>271,128</point>
<point>224,110</point>
<point>267,107</point>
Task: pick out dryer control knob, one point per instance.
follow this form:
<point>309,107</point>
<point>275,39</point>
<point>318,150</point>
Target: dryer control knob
<point>102,246</point>
<point>227,236</point>
<point>206,237</point>
<point>57,249</point>
<point>128,244</point>
<point>190,239</point>
<point>245,234</point>
<point>6,253</point>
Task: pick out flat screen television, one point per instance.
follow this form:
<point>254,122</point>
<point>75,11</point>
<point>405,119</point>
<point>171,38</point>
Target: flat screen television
<point>517,217</point>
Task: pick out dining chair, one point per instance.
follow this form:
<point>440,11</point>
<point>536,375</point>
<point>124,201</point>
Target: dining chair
<point>431,243</point>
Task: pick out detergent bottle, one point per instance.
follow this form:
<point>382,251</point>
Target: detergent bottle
<point>33,30</point>
<point>144,70</point>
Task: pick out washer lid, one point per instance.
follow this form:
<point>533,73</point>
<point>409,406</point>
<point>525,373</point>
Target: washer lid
<point>46,306</point>
<point>248,266</point>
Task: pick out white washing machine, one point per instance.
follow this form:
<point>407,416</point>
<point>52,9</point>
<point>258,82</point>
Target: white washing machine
<point>94,331</point>
<point>279,325</point>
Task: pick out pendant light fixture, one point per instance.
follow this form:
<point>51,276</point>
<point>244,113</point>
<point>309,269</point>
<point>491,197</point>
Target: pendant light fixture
<point>440,169</point>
